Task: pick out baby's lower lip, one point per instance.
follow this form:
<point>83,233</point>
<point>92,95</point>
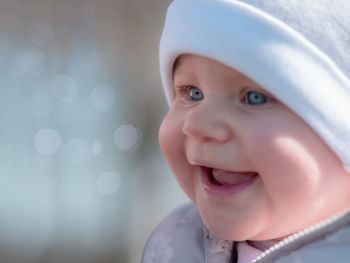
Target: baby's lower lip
<point>215,188</point>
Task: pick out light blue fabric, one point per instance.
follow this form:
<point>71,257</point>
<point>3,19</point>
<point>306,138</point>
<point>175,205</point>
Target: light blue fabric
<point>180,238</point>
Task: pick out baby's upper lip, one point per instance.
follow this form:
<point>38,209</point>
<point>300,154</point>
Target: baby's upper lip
<point>241,172</point>
<point>211,166</point>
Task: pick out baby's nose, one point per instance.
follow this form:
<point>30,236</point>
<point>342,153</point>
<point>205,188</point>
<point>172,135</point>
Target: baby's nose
<point>204,122</point>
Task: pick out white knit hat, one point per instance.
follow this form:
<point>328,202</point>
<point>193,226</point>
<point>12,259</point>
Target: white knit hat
<point>298,50</point>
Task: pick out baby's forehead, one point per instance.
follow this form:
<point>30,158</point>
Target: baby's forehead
<point>187,65</point>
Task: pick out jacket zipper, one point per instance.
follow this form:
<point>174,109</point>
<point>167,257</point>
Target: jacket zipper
<point>294,237</point>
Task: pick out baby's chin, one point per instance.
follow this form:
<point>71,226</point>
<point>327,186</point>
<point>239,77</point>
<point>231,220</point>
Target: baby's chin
<point>242,234</point>
<point>230,233</point>
<point>242,230</point>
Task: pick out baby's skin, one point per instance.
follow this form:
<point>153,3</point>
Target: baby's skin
<point>253,167</point>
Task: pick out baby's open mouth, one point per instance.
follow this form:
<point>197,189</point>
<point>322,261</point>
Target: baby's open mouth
<point>227,183</point>
<point>227,178</point>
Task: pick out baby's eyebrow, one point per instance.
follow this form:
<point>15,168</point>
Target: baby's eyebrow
<point>182,79</point>
<point>182,75</point>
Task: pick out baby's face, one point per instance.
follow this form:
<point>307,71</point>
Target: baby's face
<point>254,168</point>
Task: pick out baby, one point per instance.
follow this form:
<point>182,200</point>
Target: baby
<point>258,131</point>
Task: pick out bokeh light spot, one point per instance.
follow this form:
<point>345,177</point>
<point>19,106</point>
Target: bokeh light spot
<point>126,137</point>
<point>77,150</point>
<point>103,97</point>
<point>108,183</point>
<point>64,88</point>
<point>96,148</point>
<point>47,141</point>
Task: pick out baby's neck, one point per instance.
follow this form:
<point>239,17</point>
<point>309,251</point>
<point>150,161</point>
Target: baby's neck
<point>263,244</point>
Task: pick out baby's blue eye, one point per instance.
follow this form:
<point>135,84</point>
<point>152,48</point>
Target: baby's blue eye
<point>255,98</point>
<point>195,94</point>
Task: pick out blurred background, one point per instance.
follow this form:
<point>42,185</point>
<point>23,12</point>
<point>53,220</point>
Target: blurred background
<point>82,178</point>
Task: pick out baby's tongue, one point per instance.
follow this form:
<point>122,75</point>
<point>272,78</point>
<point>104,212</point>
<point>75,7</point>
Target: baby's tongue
<point>231,178</point>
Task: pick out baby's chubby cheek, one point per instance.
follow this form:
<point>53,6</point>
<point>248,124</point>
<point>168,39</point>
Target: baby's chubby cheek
<point>171,142</point>
<point>285,162</point>
<point>170,139</point>
<point>297,154</point>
